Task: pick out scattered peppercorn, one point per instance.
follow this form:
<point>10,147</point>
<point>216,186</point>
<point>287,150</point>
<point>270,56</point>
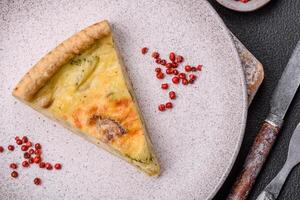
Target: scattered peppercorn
<point>28,144</point>
<point>164,86</point>
<point>157,69</point>
<point>175,80</point>
<point>19,142</point>
<point>160,75</point>
<point>169,105</point>
<point>199,67</point>
<point>11,147</point>
<point>26,155</point>
<point>161,107</point>
<point>158,60</point>
<point>144,50</point>
<point>37,146</point>
<point>174,65</point>
<point>48,166</point>
<point>179,59</point>
<point>185,81</point>
<point>42,165</point>
<point>163,62</point>
<point>24,139</point>
<point>38,152</point>
<point>37,181</point>
<point>14,174</point>
<point>175,72</point>
<point>188,68</point>
<point>57,166</point>
<point>172,95</point>
<point>13,166</point>
<point>37,159</point>
<point>182,75</point>
<point>172,56</point>
<point>169,65</point>
<point>25,163</point>
<point>169,71</point>
<point>192,77</point>
<point>30,160</point>
<point>24,148</point>
<point>31,151</point>
<point>155,55</point>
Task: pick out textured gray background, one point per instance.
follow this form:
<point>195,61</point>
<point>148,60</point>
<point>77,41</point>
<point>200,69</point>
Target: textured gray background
<point>270,34</point>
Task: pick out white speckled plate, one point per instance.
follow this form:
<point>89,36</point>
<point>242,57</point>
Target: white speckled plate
<point>196,142</point>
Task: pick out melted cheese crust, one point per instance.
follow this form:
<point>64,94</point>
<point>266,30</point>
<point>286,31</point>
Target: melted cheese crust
<point>93,83</point>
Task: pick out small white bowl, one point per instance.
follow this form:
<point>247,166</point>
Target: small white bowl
<point>243,7</point>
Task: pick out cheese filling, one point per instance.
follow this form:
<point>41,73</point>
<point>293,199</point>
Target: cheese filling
<point>92,84</point>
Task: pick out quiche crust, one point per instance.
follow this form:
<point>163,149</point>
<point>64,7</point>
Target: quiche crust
<point>44,69</point>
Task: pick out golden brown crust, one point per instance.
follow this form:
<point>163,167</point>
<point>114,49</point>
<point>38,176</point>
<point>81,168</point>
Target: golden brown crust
<point>44,69</point>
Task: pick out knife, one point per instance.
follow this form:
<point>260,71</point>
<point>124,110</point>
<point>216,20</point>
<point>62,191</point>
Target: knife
<point>265,138</point>
<point>272,190</point>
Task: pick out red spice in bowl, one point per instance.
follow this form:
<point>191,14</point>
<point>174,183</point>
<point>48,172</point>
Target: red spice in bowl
<point>243,1</point>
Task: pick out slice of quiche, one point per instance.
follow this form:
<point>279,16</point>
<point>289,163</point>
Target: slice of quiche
<point>83,85</point>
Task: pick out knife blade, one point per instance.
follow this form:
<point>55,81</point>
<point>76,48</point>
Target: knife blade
<point>265,138</point>
<point>287,86</point>
<point>265,195</point>
<point>272,190</point>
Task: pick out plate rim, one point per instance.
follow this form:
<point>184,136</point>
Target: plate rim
<point>244,98</point>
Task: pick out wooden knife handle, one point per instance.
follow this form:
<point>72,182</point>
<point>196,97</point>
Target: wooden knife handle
<point>258,154</point>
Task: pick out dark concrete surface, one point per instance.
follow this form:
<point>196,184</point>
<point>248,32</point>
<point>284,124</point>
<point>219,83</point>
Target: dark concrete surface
<point>271,34</point>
